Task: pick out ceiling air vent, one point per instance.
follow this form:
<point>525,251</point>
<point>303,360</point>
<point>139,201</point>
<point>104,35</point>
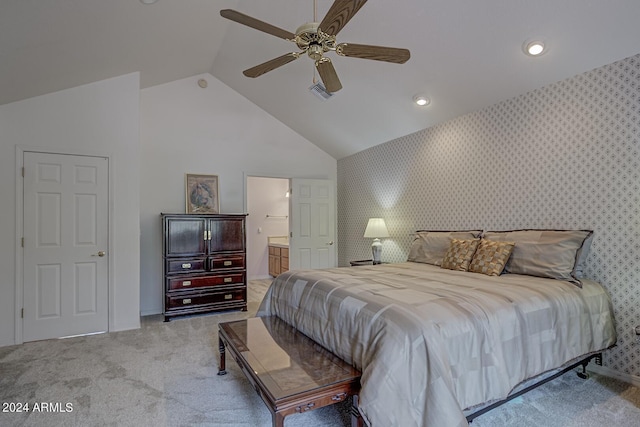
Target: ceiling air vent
<point>319,90</point>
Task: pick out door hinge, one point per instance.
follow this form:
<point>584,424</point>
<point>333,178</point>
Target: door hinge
<point>23,171</point>
<point>22,242</point>
<point>22,313</point>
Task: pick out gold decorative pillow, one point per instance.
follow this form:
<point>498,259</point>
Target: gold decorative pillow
<point>491,257</point>
<point>460,254</point>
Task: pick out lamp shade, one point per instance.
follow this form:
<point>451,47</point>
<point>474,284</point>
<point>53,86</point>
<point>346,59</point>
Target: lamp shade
<point>376,228</point>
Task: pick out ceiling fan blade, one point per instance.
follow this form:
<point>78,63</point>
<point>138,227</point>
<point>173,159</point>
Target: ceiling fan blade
<point>328,75</point>
<point>377,53</point>
<point>265,67</point>
<point>243,19</point>
<point>340,12</point>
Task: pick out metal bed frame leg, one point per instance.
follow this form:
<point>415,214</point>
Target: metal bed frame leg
<point>584,374</point>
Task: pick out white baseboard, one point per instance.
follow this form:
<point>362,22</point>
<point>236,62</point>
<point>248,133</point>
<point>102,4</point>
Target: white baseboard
<point>150,312</point>
<point>608,372</point>
<point>260,277</point>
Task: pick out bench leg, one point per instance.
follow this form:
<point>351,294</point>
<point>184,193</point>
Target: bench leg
<point>222,368</point>
<point>278,419</point>
<point>356,418</point>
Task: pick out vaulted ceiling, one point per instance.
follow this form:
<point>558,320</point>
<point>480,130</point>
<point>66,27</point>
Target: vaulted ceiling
<point>464,54</point>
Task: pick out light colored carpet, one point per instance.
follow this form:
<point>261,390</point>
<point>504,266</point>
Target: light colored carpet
<point>164,374</point>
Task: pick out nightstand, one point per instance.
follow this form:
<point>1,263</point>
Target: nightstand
<point>361,262</point>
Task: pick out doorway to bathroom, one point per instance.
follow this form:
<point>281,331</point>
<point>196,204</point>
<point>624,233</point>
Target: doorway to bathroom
<point>267,225</point>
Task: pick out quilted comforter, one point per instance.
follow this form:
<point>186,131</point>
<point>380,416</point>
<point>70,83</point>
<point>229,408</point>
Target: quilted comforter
<point>432,342</point>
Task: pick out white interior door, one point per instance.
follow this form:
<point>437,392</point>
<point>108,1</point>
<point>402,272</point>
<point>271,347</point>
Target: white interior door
<point>313,224</point>
<point>65,245</point>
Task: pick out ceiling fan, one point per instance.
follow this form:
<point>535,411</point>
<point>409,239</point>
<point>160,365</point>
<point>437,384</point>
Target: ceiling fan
<point>317,38</point>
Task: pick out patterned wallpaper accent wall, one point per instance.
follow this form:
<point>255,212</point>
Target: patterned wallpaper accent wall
<point>566,156</point>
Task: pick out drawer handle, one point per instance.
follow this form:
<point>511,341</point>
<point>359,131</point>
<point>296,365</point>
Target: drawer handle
<point>228,279</point>
<point>305,408</point>
<point>228,263</point>
<point>186,301</point>
<point>228,296</point>
<point>186,283</point>
<point>339,397</point>
<point>186,265</point>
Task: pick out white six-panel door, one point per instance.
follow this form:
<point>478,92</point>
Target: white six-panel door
<point>313,224</point>
<point>65,278</point>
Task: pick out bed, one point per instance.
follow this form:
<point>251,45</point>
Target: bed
<point>435,343</point>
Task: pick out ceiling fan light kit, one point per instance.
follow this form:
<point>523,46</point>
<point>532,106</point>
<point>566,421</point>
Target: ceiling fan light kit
<point>318,38</point>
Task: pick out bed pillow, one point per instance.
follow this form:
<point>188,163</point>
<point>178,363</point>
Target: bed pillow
<point>430,247</point>
<point>460,253</point>
<point>491,257</point>
<point>543,253</point>
<point>578,270</point>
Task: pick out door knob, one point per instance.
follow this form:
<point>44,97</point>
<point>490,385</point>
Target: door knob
<point>100,254</point>
<point>330,243</point>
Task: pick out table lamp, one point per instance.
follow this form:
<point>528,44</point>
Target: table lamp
<point>376,228</point>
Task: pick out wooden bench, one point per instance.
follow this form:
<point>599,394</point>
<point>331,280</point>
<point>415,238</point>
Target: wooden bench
<point>291,373</point>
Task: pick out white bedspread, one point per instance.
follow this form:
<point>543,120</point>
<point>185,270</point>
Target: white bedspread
<point>431,342</point>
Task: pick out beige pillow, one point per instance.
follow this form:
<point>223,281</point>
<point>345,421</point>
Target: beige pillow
<point>460,254</point>
<point>578,269</point>
<point>429,247</point>
<point>491,257</point>
<point>544,253</point>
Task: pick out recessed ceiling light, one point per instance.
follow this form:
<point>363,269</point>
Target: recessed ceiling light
<point>148,1</point>
<point>421,100</point>
<point>534,48</point>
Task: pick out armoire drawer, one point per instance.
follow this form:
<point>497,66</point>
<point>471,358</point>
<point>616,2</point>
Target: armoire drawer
<point>191,265</point>
<point>227,261</point>
<point>204,298</point>
<point>178,283</point>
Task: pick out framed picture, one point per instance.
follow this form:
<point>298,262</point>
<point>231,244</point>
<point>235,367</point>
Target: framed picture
<point>202,193</point>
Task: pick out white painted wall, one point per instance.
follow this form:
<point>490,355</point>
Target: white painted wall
<point>97,118</point>
<point>187,129</point>
<point>265,196</point>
